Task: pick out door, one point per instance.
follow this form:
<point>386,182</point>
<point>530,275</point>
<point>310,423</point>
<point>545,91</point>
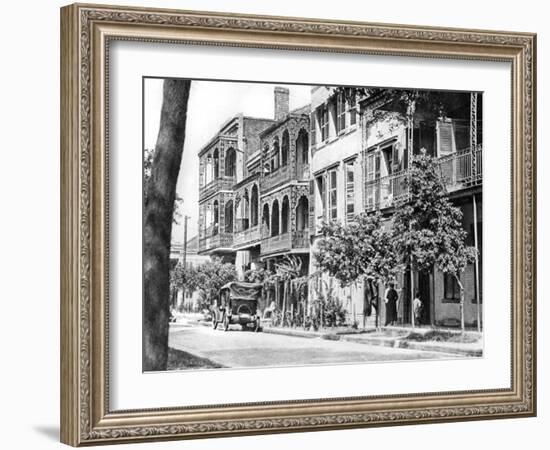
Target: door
<point>425,290</point>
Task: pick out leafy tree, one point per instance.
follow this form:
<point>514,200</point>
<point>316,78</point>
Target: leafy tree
<point>427,227</point>
<point>158,217</point>
<point>362,249</point>
<point>207,278</point>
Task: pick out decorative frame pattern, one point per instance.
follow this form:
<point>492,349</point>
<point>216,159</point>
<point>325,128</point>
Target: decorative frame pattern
<point>86,31</point>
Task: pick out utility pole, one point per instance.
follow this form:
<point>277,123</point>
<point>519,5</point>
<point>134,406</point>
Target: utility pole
<point>184,256</point>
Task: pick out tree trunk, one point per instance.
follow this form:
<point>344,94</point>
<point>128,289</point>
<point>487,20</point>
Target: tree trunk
<point>462,327</point>
<point>159,209</point>
<point>412,296</point>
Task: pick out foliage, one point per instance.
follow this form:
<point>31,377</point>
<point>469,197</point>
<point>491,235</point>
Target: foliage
<point>289,268</point>
<point>207,278</point>
<point>433,104</point>
<point>148,157</point>
<point>327,310</point>
<point>427,226</point>
<point>259,275</point>
<point>362,248</point>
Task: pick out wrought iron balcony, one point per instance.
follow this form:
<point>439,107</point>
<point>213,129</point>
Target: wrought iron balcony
<point>218,184</point>
<point>297,240</point>
<point>212,239</point>
<point>302,172</point>
<point>279,176</point>
<point>457,170</point>
<point>246,236</point>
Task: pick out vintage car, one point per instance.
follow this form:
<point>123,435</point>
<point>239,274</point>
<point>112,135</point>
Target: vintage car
<point>237,303</point>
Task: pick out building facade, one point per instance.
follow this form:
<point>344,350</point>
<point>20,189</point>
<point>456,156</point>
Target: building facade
<point>391,136</point>
<point>267,185</point>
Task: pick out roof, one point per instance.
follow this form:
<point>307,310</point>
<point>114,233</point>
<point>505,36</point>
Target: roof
<point>303,110</point>
<point>243,290</point>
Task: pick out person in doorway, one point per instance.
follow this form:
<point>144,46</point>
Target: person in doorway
<point>417,308</point>
<point>390,299</point>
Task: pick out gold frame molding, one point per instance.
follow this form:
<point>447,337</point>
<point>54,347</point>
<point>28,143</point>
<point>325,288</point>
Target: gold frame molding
<point>86,31</point>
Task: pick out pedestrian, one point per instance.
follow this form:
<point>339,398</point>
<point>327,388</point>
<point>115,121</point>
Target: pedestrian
<point>417,308</point>
<point>390,299</point>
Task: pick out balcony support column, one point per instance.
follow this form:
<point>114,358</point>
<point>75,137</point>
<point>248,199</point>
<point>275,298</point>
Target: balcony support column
<point>473,133</point>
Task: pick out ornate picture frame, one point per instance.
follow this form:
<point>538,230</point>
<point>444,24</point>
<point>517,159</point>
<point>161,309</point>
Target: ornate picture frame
<point>86,33</point>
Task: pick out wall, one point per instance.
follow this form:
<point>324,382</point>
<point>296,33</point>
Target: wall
<point>29,286</point>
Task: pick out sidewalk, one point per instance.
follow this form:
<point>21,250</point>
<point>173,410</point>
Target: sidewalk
<point>469,343</point>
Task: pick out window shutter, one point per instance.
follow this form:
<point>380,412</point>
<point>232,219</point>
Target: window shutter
<point>445,138</point>
<point>312,133</point>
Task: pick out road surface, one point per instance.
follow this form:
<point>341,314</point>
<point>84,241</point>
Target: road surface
<point>236,348</point>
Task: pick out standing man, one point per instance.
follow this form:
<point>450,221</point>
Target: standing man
<point>390,298</point>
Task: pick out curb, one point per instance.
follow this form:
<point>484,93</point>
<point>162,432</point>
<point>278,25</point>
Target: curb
<point>293,333</point>
<point>382,342</point>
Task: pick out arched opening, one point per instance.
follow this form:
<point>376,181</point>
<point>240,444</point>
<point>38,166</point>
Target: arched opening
<point>265,220</point>
<point>229,216</point>
<point>245,211</point>
<point>285,148</point>
<point>208,219</point>
<point>215,226</point>
<point>285,215</point>
<point>275,218</point>
<point>216,164</point>
<point>302,213</point>
<point>230,162</point>
<point>209,170</point>
<point>302,153</point>
<point>266,159</point>
<point>254,206</point>
<point>275,155</point>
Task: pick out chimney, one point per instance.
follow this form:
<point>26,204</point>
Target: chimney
<point>281,102</point>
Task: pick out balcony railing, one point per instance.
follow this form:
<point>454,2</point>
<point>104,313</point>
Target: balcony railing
<point>212,239</point>
<point>275,178</point>
<point>302,171</point>
<point>222,183</point>
<point>285,241</point>
<point>247,236</point>
<point>456,170</point>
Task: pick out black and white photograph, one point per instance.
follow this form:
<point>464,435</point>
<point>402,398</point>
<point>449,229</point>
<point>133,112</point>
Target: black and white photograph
<point>310,224</point>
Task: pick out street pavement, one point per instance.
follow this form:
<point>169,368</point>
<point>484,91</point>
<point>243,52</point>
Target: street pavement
<point>236,348</point>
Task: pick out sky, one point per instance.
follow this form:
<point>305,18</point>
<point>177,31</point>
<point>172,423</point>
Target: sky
<point>211,104</point>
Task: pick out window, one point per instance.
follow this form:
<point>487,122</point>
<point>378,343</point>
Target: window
<point>350,191</point>
<point>340,113</point>
<point>332,195</point>
<point>352,103</point>
<point>312,129</point>
<point>373,174</point>
<point>451,291</point>
<point>323,122</point>
<point>321,190</point>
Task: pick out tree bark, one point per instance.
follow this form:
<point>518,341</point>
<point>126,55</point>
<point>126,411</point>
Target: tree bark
<point>157,226</point>
<point>462,326</point>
